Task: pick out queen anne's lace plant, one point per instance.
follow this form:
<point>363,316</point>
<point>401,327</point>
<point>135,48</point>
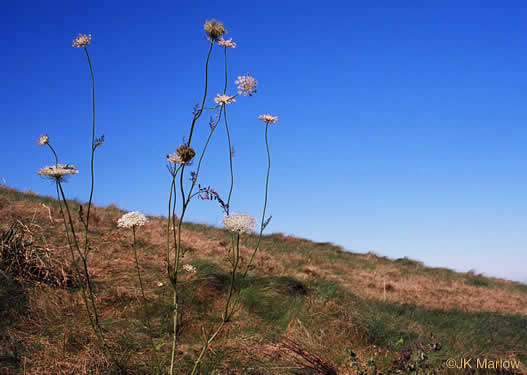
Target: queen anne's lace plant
<point>268,118</point>
<point>224,99</point>
<point>58,172</point>
<point>246,85</point>
<point>82,41</point>
<point>239,222</point>
<point>226,43</point>
<point>132,219</point>
<point>43,140</point>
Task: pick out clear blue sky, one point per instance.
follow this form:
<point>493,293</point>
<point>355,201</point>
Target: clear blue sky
<point>402,123</point>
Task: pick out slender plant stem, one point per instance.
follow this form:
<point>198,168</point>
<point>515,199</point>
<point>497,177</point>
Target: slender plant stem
<point>186,201</point>
<point>93,320</point>
<point>154,351</point>
<point>168,223</point>
<point>198,115</point>
<point>74,260</point>
<point>174,279</point>
<point>230,159</point>
<point>226,72</point>
<point>236,258</point>
<point>228,134</point>
<point>183,210</point>
<point>206,346</point>
<point>93,147</point>
<point>54,153</point>
<point>265,201</point>
<point>237,298</point>
<point>87,223</point>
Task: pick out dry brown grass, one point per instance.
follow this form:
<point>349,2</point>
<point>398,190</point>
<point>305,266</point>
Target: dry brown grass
<point>54,328</point>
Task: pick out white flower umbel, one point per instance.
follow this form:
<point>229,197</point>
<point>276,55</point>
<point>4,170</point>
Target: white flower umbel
<point>58,172</point>
<point>224,99</point>
<point>239,222</point>
<point>132,219</point>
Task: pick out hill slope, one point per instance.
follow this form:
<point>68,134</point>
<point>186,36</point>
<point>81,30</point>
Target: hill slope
<point>307,307</point>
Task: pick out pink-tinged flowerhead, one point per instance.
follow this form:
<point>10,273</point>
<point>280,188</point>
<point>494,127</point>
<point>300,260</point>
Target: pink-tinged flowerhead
<point>214,29</point>
<point>82,41</point>
<point>246,85</point>
<point>268,119</point>
<point>226,43</point>
<point>189,268</point>
<point>174,159</point>
<point>132,219</point>
<point>43,140</point>
<point>224,99</point>
<point>239,222</point>
<point>58,172</point>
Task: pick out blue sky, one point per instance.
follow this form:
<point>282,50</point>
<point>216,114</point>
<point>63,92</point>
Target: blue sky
<point>402,123</point>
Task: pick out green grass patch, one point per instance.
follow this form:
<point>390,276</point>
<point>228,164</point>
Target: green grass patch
<point>274,299</point>
<point>459,332</point>
<point>477,280</point>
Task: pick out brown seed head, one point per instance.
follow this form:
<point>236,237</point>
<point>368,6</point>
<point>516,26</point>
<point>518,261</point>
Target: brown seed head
<point>186,153</point>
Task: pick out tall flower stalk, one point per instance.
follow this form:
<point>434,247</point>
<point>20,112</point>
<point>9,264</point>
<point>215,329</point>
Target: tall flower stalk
<point>132,220</point>
<point>58,172</point>
<point>236,224</point>
<point>82,41</point>
<point>268,119</point>
<point>230,152</point>
<point>184,156</point>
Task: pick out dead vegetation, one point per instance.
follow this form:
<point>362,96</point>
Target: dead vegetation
<point>304,303</point>
<point>23,259</point>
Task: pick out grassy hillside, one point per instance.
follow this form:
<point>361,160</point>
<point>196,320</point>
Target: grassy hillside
<point>307,307</point>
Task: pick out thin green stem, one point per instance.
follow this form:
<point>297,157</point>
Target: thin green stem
<point>198,115</point>
<point>93,319</point>
<point>237,298</point>
<point>226,73</point>
<point>230,158</point>
<point>183,210</point>
<point>236,259</point>
<point>195,180</point>
<point>93,147</point>
<point>265,201</point>
<point>86,274</point>
<point>206,347</point>
<point>168,223</point>
<point>154,351</point>
<point>74,260</point>
<point>54,153</point>
<point>228,134</point>
<point>186,201</point>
